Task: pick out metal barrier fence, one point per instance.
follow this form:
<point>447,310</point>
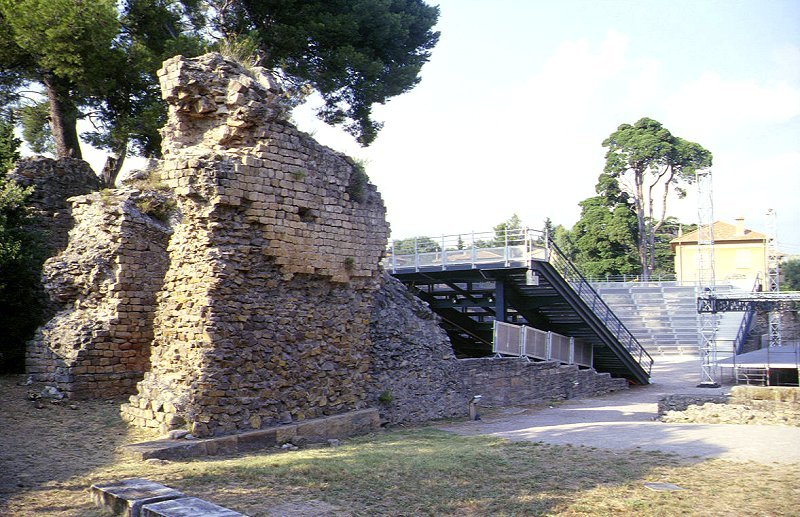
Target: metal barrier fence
<point>508,340</point>
<point>537,343</point>
<point>524,341</point>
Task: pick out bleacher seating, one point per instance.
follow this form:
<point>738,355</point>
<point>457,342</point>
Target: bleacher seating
<point>663,315</point>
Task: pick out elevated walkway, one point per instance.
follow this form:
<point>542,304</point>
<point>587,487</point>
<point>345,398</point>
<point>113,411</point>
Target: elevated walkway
<point>522,279</point>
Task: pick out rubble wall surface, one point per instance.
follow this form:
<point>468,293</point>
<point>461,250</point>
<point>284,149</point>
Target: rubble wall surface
<point>414,373</point>
<point>104,282</point>
<point>416,376</point>
<point>264,313</point>
<point>260,301</point>
<point>53,182</point>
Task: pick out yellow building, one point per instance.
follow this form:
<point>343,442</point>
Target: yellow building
<point>739,255</point>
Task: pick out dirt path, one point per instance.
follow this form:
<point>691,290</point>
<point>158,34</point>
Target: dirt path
<point>625,420</point>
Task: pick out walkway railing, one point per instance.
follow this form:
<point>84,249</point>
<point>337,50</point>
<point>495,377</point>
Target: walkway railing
<point>511,247</point>
<point>747,321</point>
<point>586,292</point>
<point>524,341</point>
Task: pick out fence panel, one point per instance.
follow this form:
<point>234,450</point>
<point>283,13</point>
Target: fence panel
<point>559,347</point>
<point>536,343</point>
<point>507,339</point>
<point>583,353</point>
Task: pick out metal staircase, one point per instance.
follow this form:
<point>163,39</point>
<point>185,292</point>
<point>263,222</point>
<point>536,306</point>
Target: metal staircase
<point>471,280</point>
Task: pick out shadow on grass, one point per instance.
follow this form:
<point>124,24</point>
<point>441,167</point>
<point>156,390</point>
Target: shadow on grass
<point>55,445</point>
<point>417,472</point>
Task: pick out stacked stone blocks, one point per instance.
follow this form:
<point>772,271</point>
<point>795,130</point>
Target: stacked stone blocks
<point>261,301</point>
<point>264,312</point>
<point>104,283</point>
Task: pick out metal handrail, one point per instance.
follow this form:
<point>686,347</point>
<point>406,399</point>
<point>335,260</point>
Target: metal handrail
<point>747,321</point>
<point>451,250</point>
<point>586,292</point>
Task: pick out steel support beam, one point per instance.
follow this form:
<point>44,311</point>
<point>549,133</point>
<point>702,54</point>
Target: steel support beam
<point>500,307</point>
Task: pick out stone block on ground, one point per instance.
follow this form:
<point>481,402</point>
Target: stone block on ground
<point>317,430</point>
<point>126,497</point>
<point>187,507</point>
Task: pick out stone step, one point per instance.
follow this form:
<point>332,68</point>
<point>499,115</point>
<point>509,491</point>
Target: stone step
<point>187,507</point>
<point>126,497</point>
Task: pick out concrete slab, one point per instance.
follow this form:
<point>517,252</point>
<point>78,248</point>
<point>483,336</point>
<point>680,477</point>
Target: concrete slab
<point>126,497</point>
<point>187,507</point>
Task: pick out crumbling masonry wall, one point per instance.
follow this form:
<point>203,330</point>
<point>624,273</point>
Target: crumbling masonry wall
<point>54,182</point>
<point>264,312</point>
<point>104,282</point>
<point>416,376</point>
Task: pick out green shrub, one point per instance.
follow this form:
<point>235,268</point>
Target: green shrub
<point>358,183</point>
<point>21,259</point>
<point>157,207</point>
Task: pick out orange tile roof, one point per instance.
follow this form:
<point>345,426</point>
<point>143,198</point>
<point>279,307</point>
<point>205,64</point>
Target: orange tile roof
<point>723,232</point>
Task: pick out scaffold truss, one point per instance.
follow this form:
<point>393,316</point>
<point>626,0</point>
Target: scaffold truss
<point>773,302</point>
<point>705,277</point>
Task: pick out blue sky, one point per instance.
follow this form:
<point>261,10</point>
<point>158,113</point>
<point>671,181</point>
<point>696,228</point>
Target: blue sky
<point>519,95</point>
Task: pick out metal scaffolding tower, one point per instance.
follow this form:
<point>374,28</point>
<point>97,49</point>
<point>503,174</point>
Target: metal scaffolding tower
<point>773,276</point>
<point>706,281</point>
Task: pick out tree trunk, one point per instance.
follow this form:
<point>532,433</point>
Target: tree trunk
<point>640,219</point>
<point>63,118</point>
<point>113,166</point>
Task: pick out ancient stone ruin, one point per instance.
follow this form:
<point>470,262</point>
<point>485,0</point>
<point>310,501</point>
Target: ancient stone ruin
<point>104,284</point>
<point>53,182</point>
<point>239,287</point>
<point>264,311</point>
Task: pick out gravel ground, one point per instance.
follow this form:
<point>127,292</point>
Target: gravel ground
<point>626,420</point>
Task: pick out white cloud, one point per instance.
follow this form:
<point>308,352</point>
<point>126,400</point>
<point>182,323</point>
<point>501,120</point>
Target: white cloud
<point>711,104</point>
<point>458,157</point>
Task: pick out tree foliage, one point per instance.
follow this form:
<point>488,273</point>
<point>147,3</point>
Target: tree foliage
<point>603,241</point>
<point>97,60</point>
<point>651,163</point>
<point>20,262</point>
<point>62,45</point>
<point>509,232</point>
<point>92,60</point>
<point>790,272</point>
<point>355,53</point>
<point>420,244</point>
<point>9,144</point>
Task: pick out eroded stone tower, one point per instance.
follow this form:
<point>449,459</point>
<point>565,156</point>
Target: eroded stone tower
<point>264,311</point>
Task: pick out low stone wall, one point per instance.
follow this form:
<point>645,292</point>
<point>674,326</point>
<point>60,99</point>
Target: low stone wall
<point>416,376</point>
<point>682,402</point>
<point>744,405</point>
<point>513,381</point>
<point>312,431</point>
